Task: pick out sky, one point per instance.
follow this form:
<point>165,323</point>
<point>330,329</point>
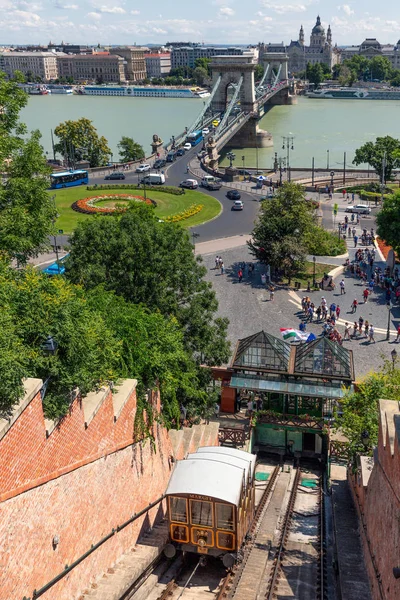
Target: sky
<point>208,21</point>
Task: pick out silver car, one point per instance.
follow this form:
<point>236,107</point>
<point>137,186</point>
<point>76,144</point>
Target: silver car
<point>361,209</point>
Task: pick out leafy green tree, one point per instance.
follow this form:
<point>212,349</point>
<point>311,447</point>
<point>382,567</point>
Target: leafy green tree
<point>374,153</point>
<point>130,150</point>
<point>388,221</point>
<point>315,74</point>
<point>359,64</point>
<point>278,238</point>
<point>258,72</point>
<point>26,210</point>
<point>203,63</point>
<point>395,78</point>
<point>336,71</point>
<point>79,140</point>
<point>380,67</point>
<point>151,263</point>
<point>200,75</point>
<point>36,307</point>
<point>347,76</point>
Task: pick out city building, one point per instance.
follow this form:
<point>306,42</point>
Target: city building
<point>32,64</point>
<point>134,62</point>
<point>158,64</point>
<point>186,56</point>
<point>101,68</point>
<point>320,49</point>
<point>371,48</point>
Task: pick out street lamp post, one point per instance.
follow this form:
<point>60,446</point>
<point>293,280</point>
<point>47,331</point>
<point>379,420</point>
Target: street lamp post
<point>314,261</point>
<point>194,236</point>
<point>339,230</point>
<point>231,156</point>
<point>365,439</point>
<point>243,159</point>
<point>288,143</point>
<point>327,160</point>
<point>388,306</point>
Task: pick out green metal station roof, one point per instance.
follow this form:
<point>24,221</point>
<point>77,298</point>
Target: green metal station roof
<point>297,388</point>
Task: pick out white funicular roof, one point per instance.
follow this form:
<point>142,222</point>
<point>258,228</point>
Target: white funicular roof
<point>240,463</point>
<point>232,452</point>
<point>207,478</point>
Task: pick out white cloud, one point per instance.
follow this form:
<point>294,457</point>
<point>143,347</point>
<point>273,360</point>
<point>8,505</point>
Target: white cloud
<point>281,9</point>
<point>112,10</point>
<point>135,12</point>
<point>226,11</point>
<point>346,9</point>
<point>94,15</point>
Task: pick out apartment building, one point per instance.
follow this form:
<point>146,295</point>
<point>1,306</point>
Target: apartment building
<point>33,64</point>
<point>101,68</point>
<point>158,64</point>
<point>135,64</point>
<point>186,56</point>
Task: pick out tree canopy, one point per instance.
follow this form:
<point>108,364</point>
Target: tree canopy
<point>130,150</point>
<point>315,74</point>
<point>26,209</point>
<point>388,221</point>
<point>79,140</point>
<point>373,153</point>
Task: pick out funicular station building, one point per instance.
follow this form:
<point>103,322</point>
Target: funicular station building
<point>297,388</point>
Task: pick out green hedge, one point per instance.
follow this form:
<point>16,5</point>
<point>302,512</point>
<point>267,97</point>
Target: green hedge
<point>168,189</point>
<point>364,195</point>
<point>320,242</point>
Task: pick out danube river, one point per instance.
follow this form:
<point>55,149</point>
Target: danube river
<point>318,126</point>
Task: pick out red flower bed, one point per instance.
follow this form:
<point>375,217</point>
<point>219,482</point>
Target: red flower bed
<point>88,206</point>
<point>384,248</point>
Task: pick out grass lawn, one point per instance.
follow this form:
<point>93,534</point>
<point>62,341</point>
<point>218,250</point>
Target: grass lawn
<point>167,204</point>
<point>306,275</point>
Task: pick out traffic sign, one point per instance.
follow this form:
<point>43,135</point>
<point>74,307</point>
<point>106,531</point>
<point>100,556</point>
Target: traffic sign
<point>335,211</point>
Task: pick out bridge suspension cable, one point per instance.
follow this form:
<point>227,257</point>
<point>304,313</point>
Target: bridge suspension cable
<point>199,118</point>
<point>263,78</point>
<point>228,111</point>
<point>277,76</point>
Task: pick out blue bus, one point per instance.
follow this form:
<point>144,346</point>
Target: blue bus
<point>195,137</point>
<point>68,179</point>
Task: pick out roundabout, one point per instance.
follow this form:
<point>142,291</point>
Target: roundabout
<point>107,204</point>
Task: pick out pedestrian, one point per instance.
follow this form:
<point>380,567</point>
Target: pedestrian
<point>216,410</point>
<point>250,407</point>
<point>371,334</point>
<point>354,305</point>
<point>344,193</point>
<point>355,238</point>
<point>371,286</point>
<point>310,314</point>
<point>240,275</point>
<point>366,328</point>
<point>352,217</point>
<point>337,311</point>
<point>332,309</point>
<point>355,329</point>
<point>353,230</point>
<point>398,334</point>
<point>222,268</point>
<point>318,313</point>
<point>346,331</point>
<point>217,262</point>
<point>271,293</point>
<point>365,294</point>
<point>342,287</point>
<point>360,324</point>
<point>352,197</point>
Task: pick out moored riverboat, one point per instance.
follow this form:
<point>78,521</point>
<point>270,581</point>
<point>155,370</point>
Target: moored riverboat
<point>348,93</point>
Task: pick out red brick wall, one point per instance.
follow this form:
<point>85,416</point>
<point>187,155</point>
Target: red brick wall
<point>379,511</point>
<point>77,484</point>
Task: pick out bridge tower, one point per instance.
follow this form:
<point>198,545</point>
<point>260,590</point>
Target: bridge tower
<point>231,69</point>
<point>278,64</point>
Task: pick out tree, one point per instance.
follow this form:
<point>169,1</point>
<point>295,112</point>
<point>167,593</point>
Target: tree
<point>34,307</point>
<point>359,64</point>
<point>347,76</point>
<point>258,72</point>
<point>200,75</point>
<point>26,209</point>
<point>380,67</point>
<point>130,150</point>
<point>315,74</point>
<point>360,409</point>
<point>203,63</point>
<point>79,140</point>
<point>395,78</point>
<point>278,236</point>
<point>374,153</point>
<point>151,263</point>
<point>388,221</point>
<point>336,71</point>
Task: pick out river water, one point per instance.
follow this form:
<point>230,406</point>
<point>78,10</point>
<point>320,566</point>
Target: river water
<point>318,126</point>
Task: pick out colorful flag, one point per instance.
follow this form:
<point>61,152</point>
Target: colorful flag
<point>294,335</point>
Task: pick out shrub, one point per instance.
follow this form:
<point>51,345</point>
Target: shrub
<point>168,189</point>
<point>320,242</point>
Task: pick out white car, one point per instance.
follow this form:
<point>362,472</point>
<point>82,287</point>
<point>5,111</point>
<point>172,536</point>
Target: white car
<point>237,205</point>
<point>205,131</point>
<point>188,146</point>
<point>143,168</point>
<point>361,209</point>
<point>190,184</point>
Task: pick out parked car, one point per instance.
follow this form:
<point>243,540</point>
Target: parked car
<point>205,131</point>
<point>159,163</point>
<point>190,184</point>
<point>171,156</point>
<point>188,146</point>
<point>115,175</point>
<point>233,195</point>
<point>361,209</point>
<point>143,168</point>
<point>180,151</point>
<point>237,205</point>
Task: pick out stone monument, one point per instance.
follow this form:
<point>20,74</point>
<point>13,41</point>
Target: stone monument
<point>156,144</point>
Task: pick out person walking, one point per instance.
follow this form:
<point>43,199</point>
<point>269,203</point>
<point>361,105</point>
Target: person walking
<point>354,305</point>
<point>355,329</point>
<point>222,267</point>
<point>355,238</point>
<point>371,334</point>
<point>398,334</point>
<point>346,331</point>
<point>360,324</point>
<point>366,328</point>
<point>365,295</point>
<point>337,311</point>
<point>318,313</point>
<point>217,262</point>
<point>271,293</point>
<point>240,275</point>
<point>342,287</point>
<point>332,309</point>
<point>310,314</point>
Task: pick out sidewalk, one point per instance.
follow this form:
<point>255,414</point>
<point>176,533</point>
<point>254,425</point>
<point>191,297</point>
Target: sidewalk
<point>221,244</point>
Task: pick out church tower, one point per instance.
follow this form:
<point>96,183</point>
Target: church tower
<point>317,39</point>
<point>301,36</point>
<point>329,36</point>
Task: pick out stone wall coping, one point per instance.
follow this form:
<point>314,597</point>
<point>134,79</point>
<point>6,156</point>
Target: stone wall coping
<point>51,424</point>
<point>121,394</point>
<point>366,465</point>
<point>92,403</point>
<point>31,387</point>
<point>388,409</point>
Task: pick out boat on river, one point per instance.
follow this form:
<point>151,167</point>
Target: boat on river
<point>348,93</point>
<point>34,89</point>
<point>59,89</point>
<point>142,91</point>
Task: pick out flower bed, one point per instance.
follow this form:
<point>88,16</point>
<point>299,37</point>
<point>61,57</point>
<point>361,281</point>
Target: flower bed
<point>167,189</point>
<point>88,205</point>
<point>185,214</point>
<point>383,247</point>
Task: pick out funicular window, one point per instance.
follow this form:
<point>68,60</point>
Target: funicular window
<point>225,517</point>
<point>201,513</point>
<point>178,509</point>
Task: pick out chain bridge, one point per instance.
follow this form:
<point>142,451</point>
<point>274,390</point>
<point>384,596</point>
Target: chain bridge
<point>239,103</point>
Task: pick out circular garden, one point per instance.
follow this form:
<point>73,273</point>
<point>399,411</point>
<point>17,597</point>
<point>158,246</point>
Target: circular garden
<point>107,204</point>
